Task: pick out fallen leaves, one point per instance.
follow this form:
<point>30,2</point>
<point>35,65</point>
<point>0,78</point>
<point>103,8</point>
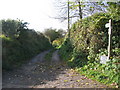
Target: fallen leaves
<point>71,86</point>
<point>73,75</point>
<point>117,86</point>
<point>67,75</point>
<point>87,83</point>
<point>77,80</point>
<point>82,83</point>
<point>50,66</point>
<point>47,75</point>
<point>113,84</point>
<point>65,80</point>
<point>95,83</point>
<point>84,78</point>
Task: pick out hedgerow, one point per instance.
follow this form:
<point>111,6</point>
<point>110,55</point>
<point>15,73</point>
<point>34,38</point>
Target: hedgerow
<point>89,40</point>
<point>20,44</point>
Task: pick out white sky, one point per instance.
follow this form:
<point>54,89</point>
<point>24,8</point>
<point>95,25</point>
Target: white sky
<point>35,12</point>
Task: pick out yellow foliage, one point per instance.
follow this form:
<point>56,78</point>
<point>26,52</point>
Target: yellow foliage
<point>4,37</point>
<point>58,42</point>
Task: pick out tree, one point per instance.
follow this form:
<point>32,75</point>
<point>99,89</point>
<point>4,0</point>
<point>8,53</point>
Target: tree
<point>61,32</point>
<point>78,8</point>
<point>53,34</point>
<point>10,27</point>
<point>13,28</point>
<point>114,12</point>
<point>114,9</point>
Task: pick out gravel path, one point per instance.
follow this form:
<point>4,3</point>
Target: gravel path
<point>39,73</point>
<point>55,57</point>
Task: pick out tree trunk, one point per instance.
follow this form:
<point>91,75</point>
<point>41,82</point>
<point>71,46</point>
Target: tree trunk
<point>68,21</point>
<point>80,10</point>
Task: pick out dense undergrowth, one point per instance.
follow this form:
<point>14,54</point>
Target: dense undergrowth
<point>88,41</point>
<point>20,44</point>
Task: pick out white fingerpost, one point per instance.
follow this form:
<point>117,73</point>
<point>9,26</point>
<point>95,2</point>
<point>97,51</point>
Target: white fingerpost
<point>109,42</point>
<point>103,58</point>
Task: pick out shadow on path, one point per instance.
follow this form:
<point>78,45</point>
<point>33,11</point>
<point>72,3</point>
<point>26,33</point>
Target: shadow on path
<point>39,73</point>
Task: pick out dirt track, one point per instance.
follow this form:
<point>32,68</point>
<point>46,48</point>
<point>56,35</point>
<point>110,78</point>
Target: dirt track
<point>39,73</point>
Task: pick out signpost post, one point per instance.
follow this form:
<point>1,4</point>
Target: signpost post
<point>108,25</point>
<point>104,59</point>
<point>109,42</point>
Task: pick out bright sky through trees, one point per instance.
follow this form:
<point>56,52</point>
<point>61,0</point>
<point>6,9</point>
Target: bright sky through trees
<point>35,12</point>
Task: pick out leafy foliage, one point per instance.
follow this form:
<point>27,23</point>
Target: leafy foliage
<point>20,43</point>
<point>53,34</point>
<point>89,40</point>
<point>66,49</point>
<point>58,42</point>
<point>105,73</point>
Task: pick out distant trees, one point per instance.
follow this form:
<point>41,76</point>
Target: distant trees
<point>53,34</point>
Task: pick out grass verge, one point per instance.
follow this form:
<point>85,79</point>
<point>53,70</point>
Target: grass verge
<point>48,56</point>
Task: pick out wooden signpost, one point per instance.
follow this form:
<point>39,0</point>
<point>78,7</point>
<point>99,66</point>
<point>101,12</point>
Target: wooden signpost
<point>109,42</point>
<point>104,59</point>
<point>108,25</point>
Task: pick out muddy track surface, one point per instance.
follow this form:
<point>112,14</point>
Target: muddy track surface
<point>39,73</point>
